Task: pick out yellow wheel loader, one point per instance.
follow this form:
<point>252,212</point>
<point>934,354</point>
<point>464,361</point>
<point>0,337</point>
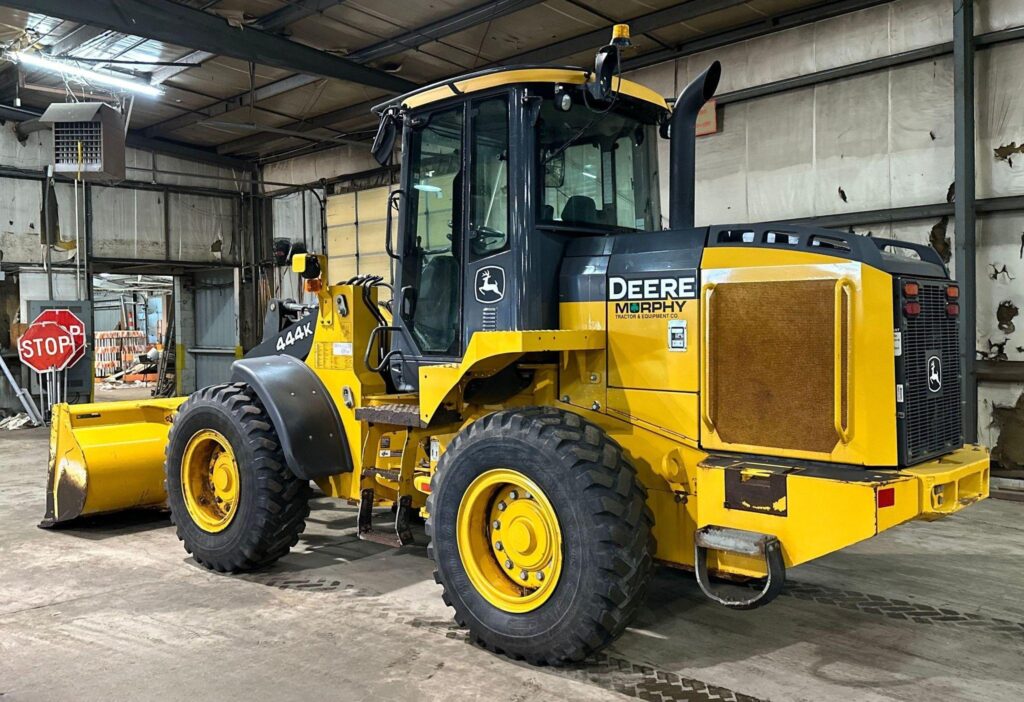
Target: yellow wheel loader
<point>567,391</point>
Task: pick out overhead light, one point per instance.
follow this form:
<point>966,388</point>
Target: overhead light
<point>48,64</point>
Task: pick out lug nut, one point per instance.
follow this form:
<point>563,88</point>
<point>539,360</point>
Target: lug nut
<point>508,564</point>
<point>502,506</point>
<point>495,524</point>
<point>498,545</point>
<point>523,575</point>
<point>540,575</point>
<point>513,495</point>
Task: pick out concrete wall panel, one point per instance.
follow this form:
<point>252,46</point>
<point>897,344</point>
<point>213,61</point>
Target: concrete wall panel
<point>203,229</point>
<point>1000,262</point>
<point>921,132</point>
<point>780,159</point>
<point>851,123</point>
<point>128,223</point>
<point>851,38</point>
<point>1000,120</point>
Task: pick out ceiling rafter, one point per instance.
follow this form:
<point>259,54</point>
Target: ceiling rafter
<point>172,23</point>
<point>411,39</point>
<point>592,39</point>
<point>772,23</point>
<point>273,22</point>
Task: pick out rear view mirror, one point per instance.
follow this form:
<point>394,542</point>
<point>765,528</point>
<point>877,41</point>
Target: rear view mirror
<point>554,172</point>
<point>387,133</point>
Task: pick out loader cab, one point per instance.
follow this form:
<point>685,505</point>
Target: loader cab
<point>500,171</point>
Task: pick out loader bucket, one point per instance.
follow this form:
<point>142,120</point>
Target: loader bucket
<point>106,457</point>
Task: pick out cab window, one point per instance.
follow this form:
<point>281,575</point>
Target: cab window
<point>489,216</point>
<point>599,170</point>
<point>431,264</point>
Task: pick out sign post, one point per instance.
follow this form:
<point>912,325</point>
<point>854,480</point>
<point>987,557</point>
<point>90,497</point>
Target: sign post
<point>52,343</point>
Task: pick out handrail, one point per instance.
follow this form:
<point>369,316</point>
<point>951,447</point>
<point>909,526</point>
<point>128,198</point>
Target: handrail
<point>705,356</point>
<point>844,286</point>
<point>369,347</point>
<point>393,204</point>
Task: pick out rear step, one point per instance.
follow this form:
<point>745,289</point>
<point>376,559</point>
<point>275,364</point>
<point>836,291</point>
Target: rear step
<point>402,534</point>
<point>396,414</point>
<point>399,414</point>
<point>746,543</point>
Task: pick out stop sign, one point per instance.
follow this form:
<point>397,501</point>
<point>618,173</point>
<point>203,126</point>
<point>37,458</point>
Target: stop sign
<point>69,321</point>
<point>45,346</point>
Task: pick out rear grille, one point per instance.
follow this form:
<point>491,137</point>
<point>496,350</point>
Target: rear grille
<point>928,420</point>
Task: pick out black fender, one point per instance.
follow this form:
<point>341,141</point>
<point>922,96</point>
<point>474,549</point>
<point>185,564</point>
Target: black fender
<point>306,419</point>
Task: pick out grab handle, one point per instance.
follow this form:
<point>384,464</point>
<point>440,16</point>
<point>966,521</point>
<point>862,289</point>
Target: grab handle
<point>844,288</point>
<point>705,357</point>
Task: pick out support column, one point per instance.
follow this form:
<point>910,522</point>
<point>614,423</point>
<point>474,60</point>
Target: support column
<point>964,209</point>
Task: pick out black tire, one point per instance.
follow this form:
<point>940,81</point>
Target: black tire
<point>606,525</point>
<point>272,505</point>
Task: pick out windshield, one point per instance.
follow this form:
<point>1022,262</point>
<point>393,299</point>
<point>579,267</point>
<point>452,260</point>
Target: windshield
<point>600,170</point>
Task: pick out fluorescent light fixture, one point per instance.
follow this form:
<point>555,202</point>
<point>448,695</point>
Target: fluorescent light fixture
<point>48,64</point>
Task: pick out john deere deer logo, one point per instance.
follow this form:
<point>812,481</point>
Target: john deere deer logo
<point>490,285</point>
<point>934,374</point>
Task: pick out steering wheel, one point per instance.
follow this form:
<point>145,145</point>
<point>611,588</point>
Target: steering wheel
<point>485,239</point>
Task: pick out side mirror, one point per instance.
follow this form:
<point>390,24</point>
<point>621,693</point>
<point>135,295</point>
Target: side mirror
<point>407,302</point>
<point>387,133</point>
<point>606,66</point>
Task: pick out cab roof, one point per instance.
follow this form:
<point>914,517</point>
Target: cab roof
<point>511,75</point>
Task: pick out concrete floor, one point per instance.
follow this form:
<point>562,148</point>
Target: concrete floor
<point>118,392</point>
<point>115,610</point>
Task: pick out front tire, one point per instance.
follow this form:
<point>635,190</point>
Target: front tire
<point>541,535</point>
<point>236,505</point>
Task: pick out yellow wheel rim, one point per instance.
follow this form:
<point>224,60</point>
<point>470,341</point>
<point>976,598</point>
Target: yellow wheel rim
<point>509,540</point>
<point>209,480</point>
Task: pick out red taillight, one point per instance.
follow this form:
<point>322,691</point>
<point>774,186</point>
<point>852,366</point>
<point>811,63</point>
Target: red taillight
<point>952,309</point>
<point>953,292</point>
<point>886,497</point>
<point>911,289</point>
<point>912,309</point>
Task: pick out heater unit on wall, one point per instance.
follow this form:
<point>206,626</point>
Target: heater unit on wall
<point>88,140</point>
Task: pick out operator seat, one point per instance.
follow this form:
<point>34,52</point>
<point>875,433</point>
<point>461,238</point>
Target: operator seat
<point>434,317</point>
<point>580,209</point>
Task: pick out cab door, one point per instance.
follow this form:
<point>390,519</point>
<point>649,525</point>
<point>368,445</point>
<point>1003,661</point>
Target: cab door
<point>489,293</point>
<point>430,278</point>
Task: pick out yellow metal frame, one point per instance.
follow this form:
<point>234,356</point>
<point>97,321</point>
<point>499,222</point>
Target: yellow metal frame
<point>489,352</point>
<point>502,77</point>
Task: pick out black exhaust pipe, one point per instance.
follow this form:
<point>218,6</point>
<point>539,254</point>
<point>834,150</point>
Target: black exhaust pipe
<point>683,148</point>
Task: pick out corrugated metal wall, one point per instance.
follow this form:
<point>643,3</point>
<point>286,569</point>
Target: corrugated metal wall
<point>216,327</point>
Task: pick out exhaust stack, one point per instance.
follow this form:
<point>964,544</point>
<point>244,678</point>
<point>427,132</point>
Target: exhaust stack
<point>683,146</point>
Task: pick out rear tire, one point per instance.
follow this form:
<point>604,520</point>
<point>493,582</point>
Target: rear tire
<point>601,525</point>
<point>268,506</point>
